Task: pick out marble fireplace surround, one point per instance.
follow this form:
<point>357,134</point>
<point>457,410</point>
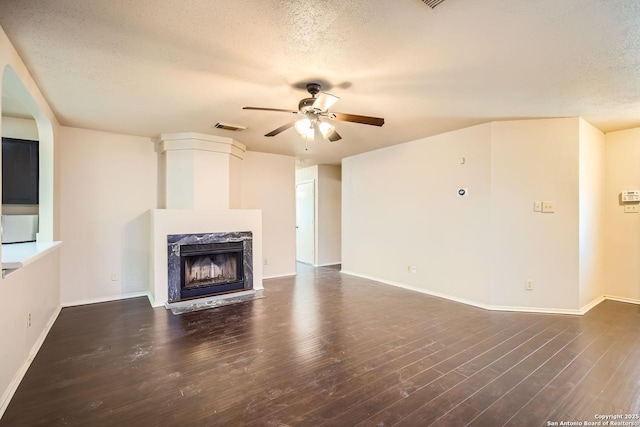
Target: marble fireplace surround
<point>175,241</point>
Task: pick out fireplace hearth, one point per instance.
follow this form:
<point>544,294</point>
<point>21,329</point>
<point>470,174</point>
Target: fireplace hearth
<point>203,265</point>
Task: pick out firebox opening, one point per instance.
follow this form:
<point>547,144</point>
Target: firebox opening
<point>212,268</point>
<point>205,270</point>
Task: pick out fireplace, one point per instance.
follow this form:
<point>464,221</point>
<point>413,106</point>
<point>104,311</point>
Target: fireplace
<point>202,265</point>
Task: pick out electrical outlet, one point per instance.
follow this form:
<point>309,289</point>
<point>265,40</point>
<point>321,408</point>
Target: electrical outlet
<point>29,320</point>
<point>548,207</point>
<point>537,206</point>
<point>266,261</point>
<point>528,285</point>
<point>114,276</point>
<point>631,208</point>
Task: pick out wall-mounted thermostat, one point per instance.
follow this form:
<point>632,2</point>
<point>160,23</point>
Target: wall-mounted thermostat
<point>463,192</point>
<point>630,196</point>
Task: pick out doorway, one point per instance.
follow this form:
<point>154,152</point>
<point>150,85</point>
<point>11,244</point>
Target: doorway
<point>305,222</point>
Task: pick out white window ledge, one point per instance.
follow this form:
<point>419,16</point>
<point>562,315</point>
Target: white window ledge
<point>18,255</point>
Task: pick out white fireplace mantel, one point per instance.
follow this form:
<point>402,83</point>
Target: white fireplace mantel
<point>180,221</point>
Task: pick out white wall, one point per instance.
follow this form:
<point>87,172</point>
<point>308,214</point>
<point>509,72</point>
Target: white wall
<point>622,243</point>
<point>32,289</point>
<point>268,183</point>
<point>235,182</point>
<point>19,128</point>
<point>307,174</point>
<point>534,160</point>
<point>35,288</point>
<point>400,207</point>
<point>591,215</point>
<point>329,215</point>
<point>108,183</point>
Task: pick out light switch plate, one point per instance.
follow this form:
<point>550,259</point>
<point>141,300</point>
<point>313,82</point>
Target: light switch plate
<point>537,206</point>
<point>630,196</point>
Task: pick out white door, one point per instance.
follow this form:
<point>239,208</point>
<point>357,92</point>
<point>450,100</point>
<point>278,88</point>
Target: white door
<point>305,222</point>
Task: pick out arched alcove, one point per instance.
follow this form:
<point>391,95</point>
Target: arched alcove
<point>23,104</point>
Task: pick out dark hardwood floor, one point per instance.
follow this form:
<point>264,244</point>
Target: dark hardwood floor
<point>333,350</point>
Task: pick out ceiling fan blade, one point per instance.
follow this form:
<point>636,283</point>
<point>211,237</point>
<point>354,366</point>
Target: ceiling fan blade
<point>365,120</point>
<point>281,110</point>
<point>281,129</point>
<point>334,136</point>
<point>324,101</point>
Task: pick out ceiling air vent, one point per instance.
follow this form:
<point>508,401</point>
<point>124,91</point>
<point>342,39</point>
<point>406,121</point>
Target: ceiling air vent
<point>432,3</point>
<point>229,126</point>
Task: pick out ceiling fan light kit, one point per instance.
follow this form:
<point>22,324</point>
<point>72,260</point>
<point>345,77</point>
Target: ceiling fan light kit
<point>308,130</point>
<point>313,110</point>
<point>305,129</point>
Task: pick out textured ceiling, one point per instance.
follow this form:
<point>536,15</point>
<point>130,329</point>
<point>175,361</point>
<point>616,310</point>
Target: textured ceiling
<point>146,67</point>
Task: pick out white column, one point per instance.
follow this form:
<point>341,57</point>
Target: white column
<point>200,170</point>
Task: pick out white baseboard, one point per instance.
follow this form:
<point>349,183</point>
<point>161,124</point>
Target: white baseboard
<point>15,382</point>
<point>622,299</point>
<point>592,304</point>
<point>328,264</point>
<point>423,291</point>
<point>541,310</point>
<point>544,310</point>
<point>277,276</point>
<point>106,299</point>
<point>153,302</point>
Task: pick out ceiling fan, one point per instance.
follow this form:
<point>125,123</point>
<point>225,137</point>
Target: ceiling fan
<point>313,110</point>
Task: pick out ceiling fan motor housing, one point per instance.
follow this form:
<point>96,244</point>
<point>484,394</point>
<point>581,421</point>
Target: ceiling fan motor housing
<point>313,88</point>
<point>306,105</point>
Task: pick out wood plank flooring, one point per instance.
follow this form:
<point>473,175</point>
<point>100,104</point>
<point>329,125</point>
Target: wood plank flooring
<point>326,349</point>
